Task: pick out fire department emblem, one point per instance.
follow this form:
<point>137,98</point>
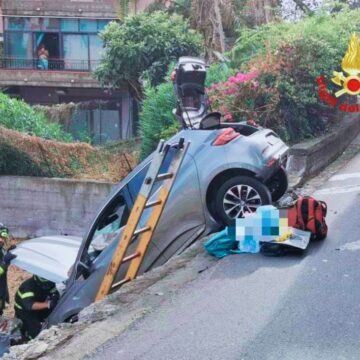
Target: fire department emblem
<point>350,82</point>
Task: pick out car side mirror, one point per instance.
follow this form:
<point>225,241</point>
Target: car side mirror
<point>210,121</point>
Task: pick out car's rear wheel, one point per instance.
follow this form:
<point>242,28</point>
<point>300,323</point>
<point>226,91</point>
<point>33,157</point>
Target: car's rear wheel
<point>239,195</point>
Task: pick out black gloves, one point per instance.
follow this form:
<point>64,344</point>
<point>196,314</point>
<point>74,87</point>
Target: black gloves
<point>7,258</point>
<point>55,296</point>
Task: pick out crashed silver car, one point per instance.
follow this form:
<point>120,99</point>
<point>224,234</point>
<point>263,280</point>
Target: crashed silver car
<point>229,169</point>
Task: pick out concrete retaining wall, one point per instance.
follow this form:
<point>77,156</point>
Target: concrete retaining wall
<point>308,158</point>
<point>39,206</point>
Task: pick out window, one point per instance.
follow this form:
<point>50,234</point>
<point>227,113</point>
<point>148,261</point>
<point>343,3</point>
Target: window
<point>50,24</point>
<point>19,45</point>
<point>102,24</point>
<point>35,24</point>
<point>109,225</point>
<point>107,126</point>
<point>17,23</point>
<point>96,49</point>
<point>76,56</point>
<point>87,25</point>
<point>69,25</point>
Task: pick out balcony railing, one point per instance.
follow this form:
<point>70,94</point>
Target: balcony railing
<point>51,65</point>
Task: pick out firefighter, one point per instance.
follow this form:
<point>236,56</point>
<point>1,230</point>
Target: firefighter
<point>5,259</point>
<point>34,301</point>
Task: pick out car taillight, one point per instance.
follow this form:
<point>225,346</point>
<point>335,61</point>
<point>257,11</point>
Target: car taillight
<point>271,162</point>
<point>252,123</point>
<point>225,137</point>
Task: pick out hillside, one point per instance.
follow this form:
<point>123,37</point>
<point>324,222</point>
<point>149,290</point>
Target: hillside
<point>28,155</point>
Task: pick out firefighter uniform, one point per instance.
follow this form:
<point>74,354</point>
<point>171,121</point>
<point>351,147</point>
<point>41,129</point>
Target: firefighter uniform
<point>34,290</point>
<point>5,259</point>
<point>4,291</point>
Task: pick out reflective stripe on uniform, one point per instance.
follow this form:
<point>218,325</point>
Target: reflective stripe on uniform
<point>26,295</point>
<point>17,305</point>
<point>4,234</point>
<point>2,271</point>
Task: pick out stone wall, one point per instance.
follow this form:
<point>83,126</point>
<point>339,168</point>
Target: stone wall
<point>309,157</point>
<point>39,206</point>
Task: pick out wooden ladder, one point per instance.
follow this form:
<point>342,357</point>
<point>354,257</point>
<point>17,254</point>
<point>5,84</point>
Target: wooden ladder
<point>142,203</point>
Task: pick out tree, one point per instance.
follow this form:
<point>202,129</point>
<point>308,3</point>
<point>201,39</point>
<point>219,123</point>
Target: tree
<point>142,46</point>
<point>209,22</point>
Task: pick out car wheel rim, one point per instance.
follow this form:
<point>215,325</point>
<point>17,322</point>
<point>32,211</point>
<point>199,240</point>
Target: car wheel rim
<point>241,199</point>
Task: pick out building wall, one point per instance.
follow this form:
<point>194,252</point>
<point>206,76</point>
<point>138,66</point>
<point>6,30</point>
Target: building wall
<point>41,78</point>
<point>50,96</point>
<point>78,8</point>
<point>33,207</point>
<point>53,87</point>
<point>141,5</point>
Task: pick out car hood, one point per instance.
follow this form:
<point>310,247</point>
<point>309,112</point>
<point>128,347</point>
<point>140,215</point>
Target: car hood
<point>50,257</point>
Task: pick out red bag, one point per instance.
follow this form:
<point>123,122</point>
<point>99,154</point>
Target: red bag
<point>309,214</point>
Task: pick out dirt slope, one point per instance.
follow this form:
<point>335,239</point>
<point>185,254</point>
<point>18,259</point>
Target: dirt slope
<point>39,157</point>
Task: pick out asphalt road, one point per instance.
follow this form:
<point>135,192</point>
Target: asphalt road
<point>255,307</point>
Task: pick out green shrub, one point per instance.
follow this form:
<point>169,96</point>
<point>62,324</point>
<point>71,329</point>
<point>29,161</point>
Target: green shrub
<point>333,29</point>
<point>17,115</point>
<point>16,162</point>
<point>143,46</point>
<point>156,116</point>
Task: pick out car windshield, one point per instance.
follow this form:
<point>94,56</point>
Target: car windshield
<point>109,226</point>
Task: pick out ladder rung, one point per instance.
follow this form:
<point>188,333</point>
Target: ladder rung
<point>142,230</point>
<point>119,283</point>
<point>153,203</point>
<point>130,257</point>
<point>164,176</point>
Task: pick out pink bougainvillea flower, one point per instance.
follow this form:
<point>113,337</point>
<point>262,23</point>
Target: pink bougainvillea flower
<point>240,77</point>
<point>232,80</point>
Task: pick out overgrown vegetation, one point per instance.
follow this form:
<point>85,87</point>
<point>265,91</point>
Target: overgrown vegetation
<point>156,116</point>
<point>142,47</point>
<point>16,162</point>
<point>17,115</point>
<point>287,58</point>
<point>33,156</point>
<point>61,114</point>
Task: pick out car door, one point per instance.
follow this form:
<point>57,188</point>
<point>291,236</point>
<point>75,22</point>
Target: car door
<point>183,218</point>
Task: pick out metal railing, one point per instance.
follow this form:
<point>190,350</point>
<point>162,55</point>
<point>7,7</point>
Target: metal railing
<point>50,65</point>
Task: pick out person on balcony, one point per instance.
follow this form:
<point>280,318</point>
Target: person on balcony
<point>43,56</point>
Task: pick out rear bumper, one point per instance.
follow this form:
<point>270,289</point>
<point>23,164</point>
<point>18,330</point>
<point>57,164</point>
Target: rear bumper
<point>273,164</point>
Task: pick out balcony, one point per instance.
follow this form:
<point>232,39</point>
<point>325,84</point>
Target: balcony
<point>59,73</point>
<point>53,64</point>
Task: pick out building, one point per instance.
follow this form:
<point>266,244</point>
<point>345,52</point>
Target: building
<point>69,31</point>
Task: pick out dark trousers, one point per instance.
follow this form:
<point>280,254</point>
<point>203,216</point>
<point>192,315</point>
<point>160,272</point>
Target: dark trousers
<point>31,322</point>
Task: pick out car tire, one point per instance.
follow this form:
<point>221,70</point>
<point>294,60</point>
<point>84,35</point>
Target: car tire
<point>229,204</point>
<point>278,184</point>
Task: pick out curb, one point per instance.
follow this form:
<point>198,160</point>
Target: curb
<point>308,158</point>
